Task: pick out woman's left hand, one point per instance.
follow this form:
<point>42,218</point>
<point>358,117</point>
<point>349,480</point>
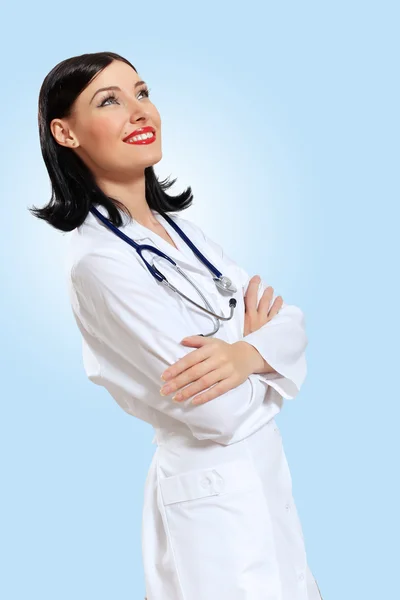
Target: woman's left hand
<point>214,362</point>
<point>258,315</point>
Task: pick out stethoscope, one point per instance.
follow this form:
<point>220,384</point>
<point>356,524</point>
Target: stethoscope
<point>224,284</point>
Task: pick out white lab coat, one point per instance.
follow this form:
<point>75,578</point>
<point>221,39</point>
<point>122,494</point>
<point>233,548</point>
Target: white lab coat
<point>219,518</point>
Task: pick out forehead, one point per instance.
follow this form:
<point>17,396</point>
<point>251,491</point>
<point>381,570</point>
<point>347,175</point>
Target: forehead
<point>117,73</point>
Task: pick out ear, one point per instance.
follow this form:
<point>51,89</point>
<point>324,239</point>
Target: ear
<point>63,134</point>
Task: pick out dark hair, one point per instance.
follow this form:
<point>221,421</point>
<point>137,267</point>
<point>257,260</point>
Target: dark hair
<point>73,187</point>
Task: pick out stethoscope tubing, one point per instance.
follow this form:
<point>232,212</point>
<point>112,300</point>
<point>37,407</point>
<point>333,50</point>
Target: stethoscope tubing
<point>140,248</point>
<point>162,279</point>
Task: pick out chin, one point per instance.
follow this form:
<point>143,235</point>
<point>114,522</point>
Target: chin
<point>151,160</point>
<point>156,160</point>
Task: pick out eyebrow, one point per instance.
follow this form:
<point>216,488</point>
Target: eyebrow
<point>114,87</point>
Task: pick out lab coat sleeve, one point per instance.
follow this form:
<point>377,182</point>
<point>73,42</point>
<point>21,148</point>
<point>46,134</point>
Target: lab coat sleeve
<point>281,342</point>
<point>136,336</point>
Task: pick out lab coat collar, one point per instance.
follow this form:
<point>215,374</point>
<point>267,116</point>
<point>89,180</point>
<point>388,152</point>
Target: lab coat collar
<point>182,255</point>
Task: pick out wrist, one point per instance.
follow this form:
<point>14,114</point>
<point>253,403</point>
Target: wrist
<point>253,358</point>
<point>256,362</point>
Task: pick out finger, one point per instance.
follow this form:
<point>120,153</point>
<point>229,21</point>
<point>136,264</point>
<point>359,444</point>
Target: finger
<point>276,307</point>
<point>217,390</point>
<point>209,379</point>
<point>251,295</point>
<point>187,361</point>
<point>265,300</point>
<point>195,341</point>
<point>193,374</point>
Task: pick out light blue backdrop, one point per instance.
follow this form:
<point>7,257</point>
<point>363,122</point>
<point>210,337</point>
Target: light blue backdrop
<point>284,118</point>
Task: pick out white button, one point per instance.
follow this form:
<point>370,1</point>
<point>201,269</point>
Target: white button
<point>206,482</point>
<point>218,482</point>
<point>301,577</point>
<point>287,507</point>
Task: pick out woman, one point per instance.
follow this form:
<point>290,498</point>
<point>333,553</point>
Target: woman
<point>219,519</point>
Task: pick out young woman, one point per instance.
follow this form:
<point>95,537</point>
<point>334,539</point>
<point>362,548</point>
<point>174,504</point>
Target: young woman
<point>219,519</point>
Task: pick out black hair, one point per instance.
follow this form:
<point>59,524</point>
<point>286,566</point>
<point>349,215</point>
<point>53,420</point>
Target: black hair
<point>73,187</point>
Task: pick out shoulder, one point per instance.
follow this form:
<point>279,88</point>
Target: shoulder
<point>100,256</point>
<point>190,227</point>
<point>106,264</point>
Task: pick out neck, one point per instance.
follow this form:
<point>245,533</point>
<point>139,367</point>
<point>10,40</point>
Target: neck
<point>131,194</point>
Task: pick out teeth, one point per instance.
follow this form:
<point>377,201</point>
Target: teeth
<point>144,136</point>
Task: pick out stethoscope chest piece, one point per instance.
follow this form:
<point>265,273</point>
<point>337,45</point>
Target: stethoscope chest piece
<point>224,284</point>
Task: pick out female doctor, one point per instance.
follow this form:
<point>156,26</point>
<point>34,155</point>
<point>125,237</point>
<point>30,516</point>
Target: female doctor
<point>182,338</point>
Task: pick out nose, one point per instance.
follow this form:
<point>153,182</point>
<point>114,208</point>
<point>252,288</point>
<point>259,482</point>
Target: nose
<point>139,112</point>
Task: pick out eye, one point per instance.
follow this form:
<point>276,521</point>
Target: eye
<point>112,96</point>
<point>145,91</point>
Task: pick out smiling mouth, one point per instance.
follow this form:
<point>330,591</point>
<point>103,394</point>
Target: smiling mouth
<point>142,139</point>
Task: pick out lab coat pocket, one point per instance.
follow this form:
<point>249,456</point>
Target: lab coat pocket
<point>221,533</point>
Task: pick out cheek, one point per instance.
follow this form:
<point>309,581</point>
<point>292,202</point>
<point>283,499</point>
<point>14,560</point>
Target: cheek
<point>103,131</point>
<point>157,119</point>
<point>154,115</point>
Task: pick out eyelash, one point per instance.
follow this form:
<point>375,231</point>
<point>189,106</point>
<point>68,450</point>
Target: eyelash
<point>111,95</point>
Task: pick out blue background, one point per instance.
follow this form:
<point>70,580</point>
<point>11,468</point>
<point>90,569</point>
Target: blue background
<point>284,118</point>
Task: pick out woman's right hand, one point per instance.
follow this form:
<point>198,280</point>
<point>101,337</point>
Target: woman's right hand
<point>257,316</point>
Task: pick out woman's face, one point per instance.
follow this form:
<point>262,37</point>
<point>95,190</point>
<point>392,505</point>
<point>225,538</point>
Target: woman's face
<point>102,119</point>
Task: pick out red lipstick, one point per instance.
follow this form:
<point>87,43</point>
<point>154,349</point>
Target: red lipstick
<point>140,131</point>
